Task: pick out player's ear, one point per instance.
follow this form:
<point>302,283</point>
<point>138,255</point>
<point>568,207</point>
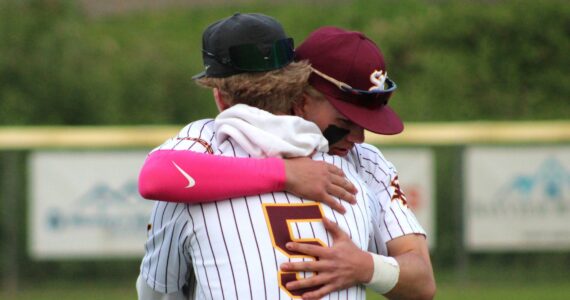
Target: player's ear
<point>300,106</point>
<point>219,99</point>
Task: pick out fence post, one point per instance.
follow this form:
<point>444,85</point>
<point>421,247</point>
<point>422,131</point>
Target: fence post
<point>461,255</point>
<point>10,195</point>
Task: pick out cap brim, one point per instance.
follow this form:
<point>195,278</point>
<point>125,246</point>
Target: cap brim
<point>199,75</point>
<point>382,120</point>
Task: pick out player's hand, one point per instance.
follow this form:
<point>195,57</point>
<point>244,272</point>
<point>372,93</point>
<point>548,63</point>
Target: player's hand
<point>318,181</point>
<point>339,267</point>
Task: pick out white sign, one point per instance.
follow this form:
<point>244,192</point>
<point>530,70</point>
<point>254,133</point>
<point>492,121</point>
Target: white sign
<point>517,198</point>
<point>417,178</point>
<point>86,204</point>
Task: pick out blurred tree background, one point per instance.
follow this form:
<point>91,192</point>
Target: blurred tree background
<point>452,61</point>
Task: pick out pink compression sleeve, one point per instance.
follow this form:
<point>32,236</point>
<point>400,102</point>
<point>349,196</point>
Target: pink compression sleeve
<point>191,177</point>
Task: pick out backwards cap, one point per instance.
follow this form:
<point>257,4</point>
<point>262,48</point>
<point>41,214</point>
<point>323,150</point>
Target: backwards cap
<point>244,43</point>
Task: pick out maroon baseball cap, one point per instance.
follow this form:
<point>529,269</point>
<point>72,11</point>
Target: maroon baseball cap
<point>349,69</point>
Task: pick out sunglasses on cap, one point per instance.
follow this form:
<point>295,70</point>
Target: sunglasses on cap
<point>390,85</point>
<point>249,57</point>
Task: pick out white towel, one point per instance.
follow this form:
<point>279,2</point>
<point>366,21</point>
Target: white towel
<point>263,134</point>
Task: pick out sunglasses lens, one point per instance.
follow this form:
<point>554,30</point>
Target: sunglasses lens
<point>374,97</point>
<point>250,57</point>
<point>390,87</point>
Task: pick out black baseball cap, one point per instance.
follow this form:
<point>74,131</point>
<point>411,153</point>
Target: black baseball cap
<point>244,43</point>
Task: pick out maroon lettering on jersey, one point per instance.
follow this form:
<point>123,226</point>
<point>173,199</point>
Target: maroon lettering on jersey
<point>397,193</point>
<point>279,218</point>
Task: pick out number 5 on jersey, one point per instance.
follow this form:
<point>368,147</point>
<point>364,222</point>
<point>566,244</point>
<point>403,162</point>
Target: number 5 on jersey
<point>280,218</point>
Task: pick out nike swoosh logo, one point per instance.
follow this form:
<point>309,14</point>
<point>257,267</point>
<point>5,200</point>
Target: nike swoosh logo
<point>191,181</point>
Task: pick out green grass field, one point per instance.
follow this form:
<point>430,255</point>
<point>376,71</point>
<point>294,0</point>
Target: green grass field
<point>447,290</point>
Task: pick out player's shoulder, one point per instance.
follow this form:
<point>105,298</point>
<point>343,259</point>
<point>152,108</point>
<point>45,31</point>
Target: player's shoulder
<point>197,129</point>
<point>196,136</point>
<point>341,162</point>
<point>368,150</point>
<point>372,165</point>
<point>369,154</point>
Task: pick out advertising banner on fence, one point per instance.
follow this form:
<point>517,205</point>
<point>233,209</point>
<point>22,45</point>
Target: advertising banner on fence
<point>416,174</point>
<point>86,205</point>
<point>517,198</point>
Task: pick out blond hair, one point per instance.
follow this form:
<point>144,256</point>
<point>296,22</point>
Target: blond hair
<point>274,91</point>
<point>313,93</point>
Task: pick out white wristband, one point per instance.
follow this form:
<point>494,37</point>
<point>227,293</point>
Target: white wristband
<point>386,273</point>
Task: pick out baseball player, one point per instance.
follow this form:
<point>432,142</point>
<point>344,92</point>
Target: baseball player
<point>236,245</point>
<point>341,115</point>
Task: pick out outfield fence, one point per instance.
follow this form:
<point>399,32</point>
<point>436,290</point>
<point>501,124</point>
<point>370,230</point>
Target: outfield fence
<point>435,134</point>
<point>457,147</point>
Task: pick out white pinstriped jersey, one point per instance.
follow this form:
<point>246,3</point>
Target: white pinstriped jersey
<point>380,175</point>
<point>236,246</point>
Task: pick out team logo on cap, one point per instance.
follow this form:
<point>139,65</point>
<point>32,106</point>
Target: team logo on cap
<point>378,78</point>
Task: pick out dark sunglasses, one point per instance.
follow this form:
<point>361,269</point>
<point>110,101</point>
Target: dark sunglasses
<point>389,85</point>
<point>249,57</point>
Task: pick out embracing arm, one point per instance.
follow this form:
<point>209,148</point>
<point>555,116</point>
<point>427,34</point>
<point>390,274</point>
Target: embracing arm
<point>416,280</point>
<point>192,177</point>
<point>187,176</point>
<point>344,265</point>
<point>145,292</point>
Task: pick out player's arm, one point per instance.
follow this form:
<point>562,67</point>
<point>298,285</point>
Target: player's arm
<point>145,292</point>
<point>339,267</point>
<point>190,177</point>
<point>167,263</point>
<point>406,242</point>
<point>415,280</point>
<point>344,265</point>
